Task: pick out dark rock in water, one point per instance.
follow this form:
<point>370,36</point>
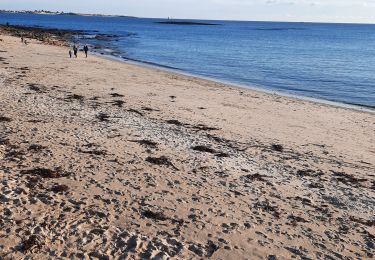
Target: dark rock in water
<point>105,37</point>
<point>277,147</point>
<point>188,23</point>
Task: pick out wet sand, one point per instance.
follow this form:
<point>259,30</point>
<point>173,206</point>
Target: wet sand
<point>101,159</point>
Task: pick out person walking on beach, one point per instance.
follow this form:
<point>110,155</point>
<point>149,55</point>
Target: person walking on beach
<point>22,39</point>
<point>86,49</point>
<point>75,50</point>
<point>70,53</point>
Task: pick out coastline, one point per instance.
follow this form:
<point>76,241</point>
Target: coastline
<point>357,107</point>
<point>108,159</point>
<point>53,36</point>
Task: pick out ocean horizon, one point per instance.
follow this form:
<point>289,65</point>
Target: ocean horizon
<point>327,61</point>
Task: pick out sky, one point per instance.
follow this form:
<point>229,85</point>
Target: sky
<point>348,11</point>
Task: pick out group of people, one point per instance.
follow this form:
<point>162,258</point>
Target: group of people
<point>74,51</point>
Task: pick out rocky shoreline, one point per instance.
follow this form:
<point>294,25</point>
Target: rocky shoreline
<point>48,36</point>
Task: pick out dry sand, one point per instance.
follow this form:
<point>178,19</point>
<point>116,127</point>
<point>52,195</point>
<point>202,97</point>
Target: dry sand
<point>101,159</point>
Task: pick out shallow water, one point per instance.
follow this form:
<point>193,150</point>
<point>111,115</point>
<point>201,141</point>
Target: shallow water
<point>328,61</point>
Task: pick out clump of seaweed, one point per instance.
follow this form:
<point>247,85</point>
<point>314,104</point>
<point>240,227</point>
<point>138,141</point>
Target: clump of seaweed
<point>347,178</point>
<point>72,97</point>
<point>116,95</point>
<point>174,122</point>
<point>277,147</point>
<point>5,119</point>
<point>60,188</point>
<point>154,215</point>
<point>93,152</point>
<point>103,117</point>
<point>118,103</point>
<point>161,161</point>
<point>135,111</point>
<point>44,173</point>
<point>267,207</point>
<point>254,177</point>
<point>32,242</point>
<point>206,149</point>
<point>146,143</point>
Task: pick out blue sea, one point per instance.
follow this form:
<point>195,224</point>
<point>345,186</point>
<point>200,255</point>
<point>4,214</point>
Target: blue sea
<point>334,62</point>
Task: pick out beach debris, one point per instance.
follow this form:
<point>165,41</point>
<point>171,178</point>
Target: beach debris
<point>202,148</point>
<point>369,223</point>
<point>347,178</point>
<point>206,149</point>
<point>60,188</point>
<point>103,117</point>
<point>277,147</point>
<point>72,97</point>
<point>255,177</point>
<point>116,95</point>
<point>13,154</point>
<point>296,219</point>
<point>5,119</point>
<point>93,152</point>
<point>149,109</point>
<point>4,141</point>
<point>146,143</point>
<point>118,103</point>
<point>163,160</point>
<point>37,87</point>
<point>154,215</point>
<point>174,122</point>
<point>44,173</point>
<point>309,173</point>
<point>36,148</point>
<point>32,242</point>
<point>267,207</point>
<point>135,111</point>
<point>204,127</point>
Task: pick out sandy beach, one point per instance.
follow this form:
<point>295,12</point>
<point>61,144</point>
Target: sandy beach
<point>106,160</point>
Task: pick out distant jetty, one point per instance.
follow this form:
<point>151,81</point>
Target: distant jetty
<point>188,23</point>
